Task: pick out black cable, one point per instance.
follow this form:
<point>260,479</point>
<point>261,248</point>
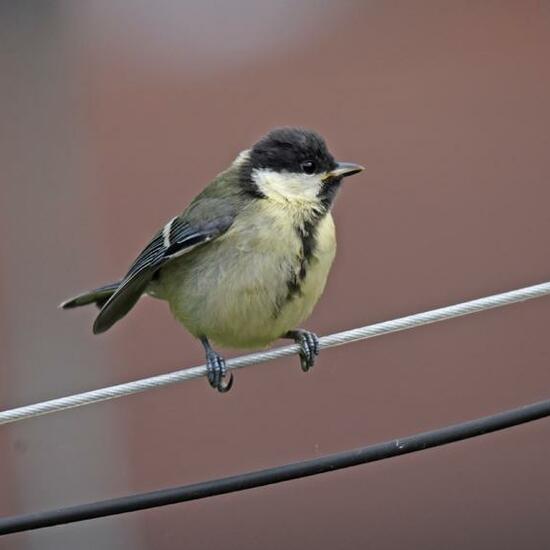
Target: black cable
<point>379,451</point>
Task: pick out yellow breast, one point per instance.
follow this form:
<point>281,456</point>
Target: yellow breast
<point>234,290</point>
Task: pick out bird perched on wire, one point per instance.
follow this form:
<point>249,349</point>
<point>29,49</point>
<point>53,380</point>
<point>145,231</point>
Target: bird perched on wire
<point>248,259</point>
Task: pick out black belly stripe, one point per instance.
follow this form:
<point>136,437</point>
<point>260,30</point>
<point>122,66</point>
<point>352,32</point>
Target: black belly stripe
<point>307,233</point>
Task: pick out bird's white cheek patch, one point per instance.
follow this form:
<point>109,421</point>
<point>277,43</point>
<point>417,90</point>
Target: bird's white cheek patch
<point>285,185</point>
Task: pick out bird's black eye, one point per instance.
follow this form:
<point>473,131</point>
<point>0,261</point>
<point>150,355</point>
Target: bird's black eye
<point>308,167</point>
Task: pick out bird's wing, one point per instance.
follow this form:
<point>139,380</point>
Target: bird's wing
<point>178,237</point>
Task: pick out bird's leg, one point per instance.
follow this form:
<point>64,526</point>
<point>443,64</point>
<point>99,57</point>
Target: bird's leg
<point>217,371</point>
<point>309,346</point>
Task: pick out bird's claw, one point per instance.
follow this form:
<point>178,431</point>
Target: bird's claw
<point>309,347</point>
<point>217,372</point>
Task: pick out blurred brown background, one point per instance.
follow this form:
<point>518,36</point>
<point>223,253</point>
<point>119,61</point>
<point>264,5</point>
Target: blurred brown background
<point>115,114</point>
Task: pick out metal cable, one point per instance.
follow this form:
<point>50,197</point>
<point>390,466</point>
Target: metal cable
<point>278,474</point>
<point>370,331</point>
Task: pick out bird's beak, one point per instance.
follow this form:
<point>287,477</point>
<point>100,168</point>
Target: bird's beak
<point>344,169</point>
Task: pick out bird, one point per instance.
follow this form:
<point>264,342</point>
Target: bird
<point>248,259</point>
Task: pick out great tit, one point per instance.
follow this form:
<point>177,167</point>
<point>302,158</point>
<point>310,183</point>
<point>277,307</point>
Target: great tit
<point>247,260</point>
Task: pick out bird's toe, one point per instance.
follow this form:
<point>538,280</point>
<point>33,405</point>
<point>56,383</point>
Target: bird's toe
<point>309,347</point>
<point>217,372</point>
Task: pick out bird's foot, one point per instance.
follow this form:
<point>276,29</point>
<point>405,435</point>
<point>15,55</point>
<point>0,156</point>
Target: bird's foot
<point>216,369</point>
<point>309,346</point>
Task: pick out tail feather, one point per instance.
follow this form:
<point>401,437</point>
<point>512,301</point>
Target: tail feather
<point>98,296</point>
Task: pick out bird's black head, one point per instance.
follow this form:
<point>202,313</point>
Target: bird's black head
<point>293,163</point>
<point>292,150</point>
